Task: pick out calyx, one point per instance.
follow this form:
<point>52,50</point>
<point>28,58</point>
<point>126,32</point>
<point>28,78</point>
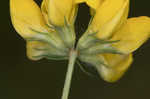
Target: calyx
<point>62,40</point>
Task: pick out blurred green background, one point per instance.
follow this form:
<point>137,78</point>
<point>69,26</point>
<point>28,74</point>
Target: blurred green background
<point>21,78</point>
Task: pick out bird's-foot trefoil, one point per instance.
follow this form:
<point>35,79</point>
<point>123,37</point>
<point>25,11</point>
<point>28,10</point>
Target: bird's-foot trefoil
<point>107,44</point>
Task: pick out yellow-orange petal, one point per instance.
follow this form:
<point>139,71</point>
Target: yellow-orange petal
<point>109,16</point>
<point>32,51</point>
<point>44,6</point>
<point>57,11</point>
<point>79,1</point>
<point>25,14</point>
<point>94,4</point>
<point>133,34</point>
<point>44,10</point>
<point>118,65</point>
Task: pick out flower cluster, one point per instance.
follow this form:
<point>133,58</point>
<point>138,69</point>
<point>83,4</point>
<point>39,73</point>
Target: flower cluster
<point>107,44</point>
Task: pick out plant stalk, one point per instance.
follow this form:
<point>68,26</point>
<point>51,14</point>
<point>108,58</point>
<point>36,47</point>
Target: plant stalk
<point>72,59</point>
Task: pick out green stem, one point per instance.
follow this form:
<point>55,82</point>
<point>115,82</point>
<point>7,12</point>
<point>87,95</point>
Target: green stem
<point>72,59</point>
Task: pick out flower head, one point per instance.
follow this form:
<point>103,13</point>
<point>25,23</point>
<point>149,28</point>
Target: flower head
<point>107,44</point>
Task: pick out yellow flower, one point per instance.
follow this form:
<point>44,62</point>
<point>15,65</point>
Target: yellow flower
<point>111,23</point>
<point>31,23</point>
<point>107,44</point>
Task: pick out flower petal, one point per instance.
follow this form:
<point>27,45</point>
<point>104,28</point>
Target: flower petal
<point>133,34</point>
<point>92,3</point>
<point>109,16</point>
<point>32,51</point>
<point>25,14</point>
<point>44,6</point>
<point>79,1</point>
<point>57,11</point>
<point>44,9</point>
<point>118,66</point>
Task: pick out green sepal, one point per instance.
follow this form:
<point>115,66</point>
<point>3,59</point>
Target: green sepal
<point>44,54</point>
<point>52,51</point>
<point>51,54</point>
<point>100,49</point>
<point>89,44</point>
<point>66,33</point>
<point>89,39</point>
<point>51,38</point>
<point>92,59</point>
<point>50,57</point>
